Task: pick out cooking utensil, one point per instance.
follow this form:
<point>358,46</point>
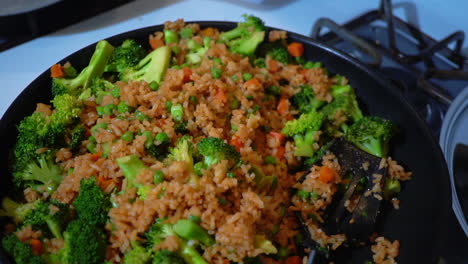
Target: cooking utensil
<point>425,200</point>
<point>359,223</point>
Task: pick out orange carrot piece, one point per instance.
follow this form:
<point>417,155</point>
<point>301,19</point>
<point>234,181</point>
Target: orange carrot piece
<point>96,156</point>
<point>326,174</point>
<point>56,71</point>
<point>296,49</point>
<point>156,43</point>
<point>36,246</point>
<point>187,74</point>
<point>293,260</point>
<point>220,96</point>
<point>253,82</point>
<point>280,151</point>
<point>283,106</point>
<point>273,66</point>
<point>235,141</point>
<point>278,136</point>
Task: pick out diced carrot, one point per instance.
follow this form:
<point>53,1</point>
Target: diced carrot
<point>104,183</point>
<point>96,156</point>
<point>296,49</point>
<point>36,246</point>
<point>56,71</point>
<point>187,74</point>
<point>273,65</point>
<point>283,106</point>
<point>235,141</point>
<point>207,32</point>
<point>278,136</point>
<point>280,152</point>
<point>253,82</point>
<point>326,174</point>
<point>293,260</point>
<point>221,96</point>
<point>156,43</point>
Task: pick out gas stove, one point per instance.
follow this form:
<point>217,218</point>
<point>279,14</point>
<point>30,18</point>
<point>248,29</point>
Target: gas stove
<point>428,73</point>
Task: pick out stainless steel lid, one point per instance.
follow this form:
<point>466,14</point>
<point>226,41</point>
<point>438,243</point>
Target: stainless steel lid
<point>455,131</point>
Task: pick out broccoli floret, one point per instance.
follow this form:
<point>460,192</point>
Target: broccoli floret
<point>131,166</point>
<point>158,233</point>
<point>245,38</point>
<point>190,230</point>
<point>303,130</point>
<point>137,255</point>
<point>344,100</point>
<point>183,151</point>
<point>215,149</point>
<point>167,257</point>
<point>94,69</point>
<point>76,136</point>
<point>197,51</point>
<point>16,211</point>
<point>151,68</point>
<point>125,56</point>
<point>276,50</point>
<point>305,100</point>
<point>159,147</point>
<point>49,217</point>
<point>371,134</point>
<point>41,171</point>
<point>37,131</point>
<point>84,243</point>
<point>92,204</point>
<point>21,252</point>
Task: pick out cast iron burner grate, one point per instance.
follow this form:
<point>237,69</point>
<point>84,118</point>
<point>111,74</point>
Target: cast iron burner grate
<point>429,73</point>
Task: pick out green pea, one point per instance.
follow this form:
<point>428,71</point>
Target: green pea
<point>100,110</point>
<point>170,36</point>
<point>231,175</point>
<point>161,137</point>
<point>234,78</point>
<point>158,177</point>
<point>255,109</point>
<point>247,76</point>
<point>303,194</point>
<point>123,107</point>
<point>218,61</point>
<point>108,109</point>
<point>140,116</point>
<point>234,127</point>
<point>177,112</point>
<point>186,33</point>
<point>216,72</point>
<point>127,136</point>
<point>311,65</point>
<point>154,86</point>
<point>194,218</point>
<point>270,160</point>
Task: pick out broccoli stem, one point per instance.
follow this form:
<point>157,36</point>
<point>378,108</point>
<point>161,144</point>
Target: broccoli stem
<point>189,230</point>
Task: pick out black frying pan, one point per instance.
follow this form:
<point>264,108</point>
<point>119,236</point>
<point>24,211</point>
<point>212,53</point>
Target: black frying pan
<point>425,200</point>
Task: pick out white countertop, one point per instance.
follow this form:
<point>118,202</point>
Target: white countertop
<point>22,64</point>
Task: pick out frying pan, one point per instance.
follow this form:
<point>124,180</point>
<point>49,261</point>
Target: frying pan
<point>425,200</point>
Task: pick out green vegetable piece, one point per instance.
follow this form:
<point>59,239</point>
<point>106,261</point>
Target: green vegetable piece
<point>115,92</point>
<point>168,106</point>
<point>158,177</point>
<point>215,149</point>
<point>304,195</point>
<point>189,230</point>
<point>273,90</point>
<point>92,204</point>
<point>234,103</point>
<point>123,107</point>
<point>194,218</point>
<point>140,116</point>
<point>391,188</point>
<point>168,257</point>
<point>270,160</point>
<point>262,242</point>
<point>177,112</point>
<point>186,33</point>
<point>154,86</point>
<point>127,136</point>
<point>231,175</point>
<point>193,99</point>
<point>97,127</point>
<point>170,37</point>
<point>247,76</point>
<point>137,255</point>
<point>216,72</point>
<point>311,65</point>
